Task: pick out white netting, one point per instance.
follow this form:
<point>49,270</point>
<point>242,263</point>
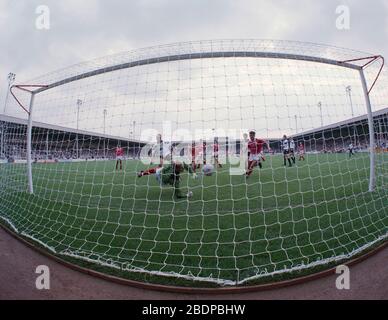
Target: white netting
<point>224,227</point>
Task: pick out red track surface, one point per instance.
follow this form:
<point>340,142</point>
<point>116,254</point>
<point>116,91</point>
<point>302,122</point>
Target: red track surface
<point>368,280</point>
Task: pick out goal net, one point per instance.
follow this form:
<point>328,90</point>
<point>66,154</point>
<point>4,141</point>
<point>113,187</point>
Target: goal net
<point>217,161</point>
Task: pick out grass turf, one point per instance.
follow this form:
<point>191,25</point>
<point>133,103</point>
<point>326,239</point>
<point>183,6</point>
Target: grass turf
<point>231,229</point>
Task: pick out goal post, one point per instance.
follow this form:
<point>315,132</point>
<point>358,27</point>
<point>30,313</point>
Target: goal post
<point>29,148</point>
<point>372,177</point>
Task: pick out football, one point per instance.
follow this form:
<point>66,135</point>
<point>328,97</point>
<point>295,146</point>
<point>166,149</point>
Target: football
<point>208,169</point>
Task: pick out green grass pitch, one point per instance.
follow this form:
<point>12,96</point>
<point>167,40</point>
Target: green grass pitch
<point>230,229</point>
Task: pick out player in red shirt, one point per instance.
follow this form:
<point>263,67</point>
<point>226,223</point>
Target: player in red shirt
<point>255,148</point>
<point>193,156</point>
<point>301,151</point>
<point>119,157</point>
<point>204,152</point>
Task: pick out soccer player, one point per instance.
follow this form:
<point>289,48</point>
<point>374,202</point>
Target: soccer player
<point>244,146</point>
<point>286,151</point>
<point>351,150</point>
<point>119,157</point>
<point>204,152</point>
<point>163,148</point>
<point>292,150</point>
<point>199,154</point>
<point>169,175</point>
<point>262,156</point>
<point>255,147</point>
<point>301,152</point>
<point>193,156</point>
<point>215,153</point>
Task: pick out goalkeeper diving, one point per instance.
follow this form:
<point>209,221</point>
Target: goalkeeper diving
<point>170,175</point>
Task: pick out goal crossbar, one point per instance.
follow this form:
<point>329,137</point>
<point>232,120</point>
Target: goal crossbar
<point>200,55</point>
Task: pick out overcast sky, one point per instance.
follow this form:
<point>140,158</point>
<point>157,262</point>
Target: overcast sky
<point>87,29</point>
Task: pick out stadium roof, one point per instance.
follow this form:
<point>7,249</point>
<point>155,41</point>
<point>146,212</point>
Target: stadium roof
<point>15,120</point>
<point>343,123</point>
<point>336,125</point>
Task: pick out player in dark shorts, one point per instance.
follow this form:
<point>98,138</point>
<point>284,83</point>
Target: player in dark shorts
<point>286,151</point>
<point>215,153</point>
<point>292,149</point>
<point>351,150</point>
<point>204,152</point>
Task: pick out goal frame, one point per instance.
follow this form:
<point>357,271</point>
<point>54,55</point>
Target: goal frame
<point>350,64</point>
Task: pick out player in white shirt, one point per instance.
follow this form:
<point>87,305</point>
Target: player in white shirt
<point>292,149</point>
<point>163,149</point>
<point>286,151</point>
<point>351,150</point>
<point>244,147</point>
